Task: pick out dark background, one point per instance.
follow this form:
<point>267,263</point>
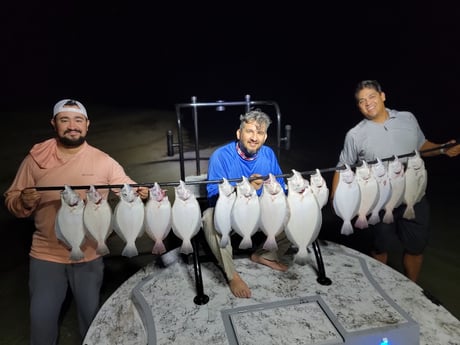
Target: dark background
<point>307,56</point>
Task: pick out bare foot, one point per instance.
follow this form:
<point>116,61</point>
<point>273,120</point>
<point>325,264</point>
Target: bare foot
<point>276,265</point>
<point>238,287</point>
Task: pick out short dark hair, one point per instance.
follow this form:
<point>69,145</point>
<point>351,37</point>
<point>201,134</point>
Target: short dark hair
<point>368,84</point>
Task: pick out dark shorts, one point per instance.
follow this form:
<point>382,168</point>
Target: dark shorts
<point>413,234</point>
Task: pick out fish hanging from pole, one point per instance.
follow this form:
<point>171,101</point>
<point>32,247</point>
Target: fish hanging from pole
<point>274,212</point>
<point>129,219</point>
<point>69,226</point>
<point>158,217</point>
<point>223,210</point>
<point>97,217</point>
<point>186,216</point>
<point>347,199</point>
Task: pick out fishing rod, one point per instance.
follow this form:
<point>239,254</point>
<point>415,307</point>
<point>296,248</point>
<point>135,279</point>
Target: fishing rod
<point>237,180</point>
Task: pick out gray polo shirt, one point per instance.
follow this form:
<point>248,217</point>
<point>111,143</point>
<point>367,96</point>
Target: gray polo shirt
<point>399,134</point>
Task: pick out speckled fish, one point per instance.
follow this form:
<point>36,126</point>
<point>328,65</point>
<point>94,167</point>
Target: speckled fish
<point>369,190</point>
<point>245,215</point>
<point>186,216</point>
<point>69,225</point>
<point>416,182</point>
<point>273,211</point>
<point>97,218</point>
<point>305,216</point>
<point>128,219</point>
<point>380,172</point>
<point>222,211</point>
<point>157,217</point>
<point>398,185</point>
<point>347,199</point>
<point>319,187</point>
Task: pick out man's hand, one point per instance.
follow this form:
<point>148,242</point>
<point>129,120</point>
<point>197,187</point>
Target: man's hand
<point>143,192</point>
<point>256,181</point>
<point>29,198</point>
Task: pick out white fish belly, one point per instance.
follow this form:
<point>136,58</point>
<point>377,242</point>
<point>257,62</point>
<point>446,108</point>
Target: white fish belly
<point>346,203</point>
<point>273,212</point>
<point>186,221</point>
<point>157,219</point>
<point>222,212</point>
<point>384,196</point>
<point>245,217</point>
<point>304,221</point>
<point>369,192</point>
<point>70,229</point>
<point>98,220</point>
<point>396,198</point>
<point>222,216</point>
<point>129,222</point>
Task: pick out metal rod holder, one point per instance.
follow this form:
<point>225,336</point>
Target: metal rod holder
<point>322,279</point>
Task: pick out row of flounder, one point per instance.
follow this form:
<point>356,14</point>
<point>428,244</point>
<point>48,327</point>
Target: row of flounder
<point>238,208</point>
<point>75,220</point>
<point>372,189</point>
<point>298,214</point>
<point>363,195</point>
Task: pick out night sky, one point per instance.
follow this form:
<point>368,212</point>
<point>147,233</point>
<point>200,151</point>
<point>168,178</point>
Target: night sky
<point>308,56</point>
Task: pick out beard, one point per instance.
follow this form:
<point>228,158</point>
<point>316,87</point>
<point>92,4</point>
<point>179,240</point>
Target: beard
<point>247,152</point>
<point>66,142</point>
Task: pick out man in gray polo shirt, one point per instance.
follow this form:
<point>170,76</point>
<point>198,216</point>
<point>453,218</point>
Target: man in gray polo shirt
<point>384,133</point>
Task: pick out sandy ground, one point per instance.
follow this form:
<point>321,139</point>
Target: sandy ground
<point>137,139</point>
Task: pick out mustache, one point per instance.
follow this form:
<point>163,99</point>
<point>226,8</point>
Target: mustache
<point>72,130</point>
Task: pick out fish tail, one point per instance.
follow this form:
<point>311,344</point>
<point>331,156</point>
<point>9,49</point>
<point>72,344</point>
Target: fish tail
<point>76,254</point>
<point>301,257</point>
<point>409,213</point>
<point>361,222</point>
<point>388,217</point>
<point>245,243</point>
<point>374,219</point>
<point>186,247</point>
<point>347,228</point>
<point>159,247</point>
<point>270,244</point>
<point>102,248</point>
<point>130,250</point>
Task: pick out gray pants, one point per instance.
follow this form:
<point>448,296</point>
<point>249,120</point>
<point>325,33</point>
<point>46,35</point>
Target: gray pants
<point>48,284</point>
<point>224,256</point>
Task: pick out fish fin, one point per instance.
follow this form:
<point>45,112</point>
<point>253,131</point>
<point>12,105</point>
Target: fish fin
<point>245,243</point>
<point>224,241</point>
<point>270,244</point>
<point>102,248</point>
<point>374,219</point>
<point>409,213</point>
<point>76,254</point>
<point>361,222</point>
<point>186,247</point>
<point>159,247</point>
<point>301,257</point>
<point>388,217</point>
<point>130,250</point>
<point>347,228</point>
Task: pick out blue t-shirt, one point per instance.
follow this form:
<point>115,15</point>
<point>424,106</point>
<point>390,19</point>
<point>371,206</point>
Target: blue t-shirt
<point>226,162</point>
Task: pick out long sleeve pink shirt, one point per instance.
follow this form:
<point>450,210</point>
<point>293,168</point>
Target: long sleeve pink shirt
<point>46,166</point>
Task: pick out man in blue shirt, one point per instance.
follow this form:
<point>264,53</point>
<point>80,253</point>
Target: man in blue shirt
<point>249,157</point>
